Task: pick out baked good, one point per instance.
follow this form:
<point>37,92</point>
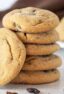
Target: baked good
<point>35,63</point>
<point>41,38</point>
<point>36,77</point>
<point>31,20</point>
<point>60,30</point>
<point>12,56</point>
<point>33,49</point>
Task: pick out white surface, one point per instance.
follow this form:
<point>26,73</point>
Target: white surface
<point>6,4</point>
<point>61,44</point>
<point>52,88</point>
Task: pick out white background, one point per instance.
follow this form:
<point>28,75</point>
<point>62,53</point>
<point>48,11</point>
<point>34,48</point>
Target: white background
<point>6,4</point>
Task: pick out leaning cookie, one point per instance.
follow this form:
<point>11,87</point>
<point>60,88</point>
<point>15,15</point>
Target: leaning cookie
<point>41,38</point>
<point>12,56</point>
<point>36,77</point>
<point>35,63</point>
<point>31,20</point>
<point>33,49</point>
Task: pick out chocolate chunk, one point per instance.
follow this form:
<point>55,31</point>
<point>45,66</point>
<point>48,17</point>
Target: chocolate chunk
<point>33,10</point>
<point>33,90</point>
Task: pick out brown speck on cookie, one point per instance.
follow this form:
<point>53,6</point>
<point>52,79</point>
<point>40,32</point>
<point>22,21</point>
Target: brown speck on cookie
<point>14,24</point>
<point>33,10</point>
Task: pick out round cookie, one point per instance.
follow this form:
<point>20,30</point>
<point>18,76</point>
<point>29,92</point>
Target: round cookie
<point>12,56</point>
<point>31,20</point>
<point>33,49</point>
<point>42,38</point>
<point>37,77</point>
<point>35,63</point>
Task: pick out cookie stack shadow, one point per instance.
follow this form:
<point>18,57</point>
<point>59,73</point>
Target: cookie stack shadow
<point>40,41</point>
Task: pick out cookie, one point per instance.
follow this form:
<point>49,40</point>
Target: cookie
<point>33,49</point>
<point>42,38</point>
<point>36,77</point>
<point>60,30</point>
<point>35,63</point>
<point>12,56</point>
<point>31,20</point>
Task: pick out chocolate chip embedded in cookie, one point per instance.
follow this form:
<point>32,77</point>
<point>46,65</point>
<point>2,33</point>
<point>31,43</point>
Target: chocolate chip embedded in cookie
<point>12,56</point>
<point>31,20</point>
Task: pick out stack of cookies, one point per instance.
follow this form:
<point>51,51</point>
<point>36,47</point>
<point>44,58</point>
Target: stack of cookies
<point>35,27</point>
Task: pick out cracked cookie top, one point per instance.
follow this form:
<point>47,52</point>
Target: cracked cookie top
<point>31,20</point>
<point>12,56</point>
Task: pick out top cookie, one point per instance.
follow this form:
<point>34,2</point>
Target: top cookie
<point>12,56</point>
<point>30,20</point>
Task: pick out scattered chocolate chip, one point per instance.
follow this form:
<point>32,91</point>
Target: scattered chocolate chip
<point>12,93</point>
<point>33,90</point>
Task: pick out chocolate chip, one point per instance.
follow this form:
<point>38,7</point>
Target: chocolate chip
<point>46,71</point>
<point>33,90</point>
<point>33,10</point>
<point>11,93</point>
<point>25,34</point>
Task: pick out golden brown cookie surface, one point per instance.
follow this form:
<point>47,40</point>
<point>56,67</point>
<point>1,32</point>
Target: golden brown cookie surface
<point>60,30</point>
<point>33,49</point>
<point>31,20</point>
<point>42,38</point>
<point>35,63</point>
<point>37,77</point>
<point>12,56</point>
